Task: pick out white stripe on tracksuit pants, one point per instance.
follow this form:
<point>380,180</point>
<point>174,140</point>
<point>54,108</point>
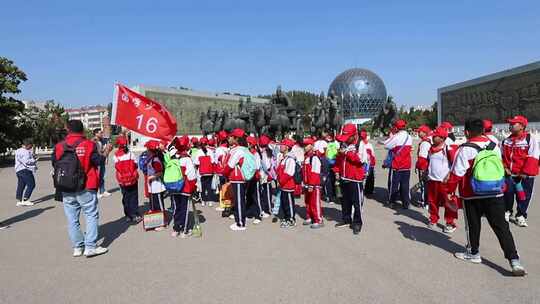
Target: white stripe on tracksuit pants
<point>355,199</point>
<point>239,189</point>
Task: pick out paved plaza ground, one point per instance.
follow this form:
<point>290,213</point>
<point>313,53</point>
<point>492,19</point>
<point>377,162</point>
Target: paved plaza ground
<point>395,259</point>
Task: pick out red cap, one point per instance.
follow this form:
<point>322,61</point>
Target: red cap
<point>448,126</point>
<point>440,132</point>
<point>288,142</point>
<point>518,119</point>
<point>488,124</point>
<point>347,131</point>
<point>237,133</point>
<point>152,144</point>
<point>194,140</point>
<point>264,140</point>
<point>121,141</point>
<point>252,140</point>
<point>204,141</point>
<point>400,124</point>
<point>424,128</point>
<point>212,141</point>
<point>308,141</point>
<point>182,143</point>
<point>222,135</point>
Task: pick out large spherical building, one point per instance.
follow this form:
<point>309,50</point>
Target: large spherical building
<point>361,91</point>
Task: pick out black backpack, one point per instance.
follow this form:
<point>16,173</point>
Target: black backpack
<point>69,175</point>
<point>298,178</point>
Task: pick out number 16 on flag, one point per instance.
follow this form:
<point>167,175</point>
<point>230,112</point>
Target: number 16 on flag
<point>141,114</point>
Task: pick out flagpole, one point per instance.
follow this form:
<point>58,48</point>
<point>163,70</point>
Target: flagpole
<point>115,100</point>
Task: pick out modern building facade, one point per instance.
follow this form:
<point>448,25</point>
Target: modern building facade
<point>497,96</point>
<point>93,117</point>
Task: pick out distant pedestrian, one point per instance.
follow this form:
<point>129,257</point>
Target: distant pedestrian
<point>75,161</point>
<point>103,150</point>
<point>25,167</point>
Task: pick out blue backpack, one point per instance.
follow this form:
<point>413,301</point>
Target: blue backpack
<point>143,160</point>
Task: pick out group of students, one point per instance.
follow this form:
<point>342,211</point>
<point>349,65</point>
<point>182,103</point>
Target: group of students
<point>263,177</point>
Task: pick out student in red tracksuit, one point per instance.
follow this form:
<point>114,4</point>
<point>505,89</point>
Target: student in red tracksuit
<point>220,154</point>
<point>285,175</point>
<point>351,172</point>
<point>204,160</point>
<point>422,159</point>
<point>370,173</point>
<point>451,139</point>
<point>488,131</point>
<point>520,159</point>
<point>400,144</point>
<point>253,189</point>
<point>266,176</point>
<point>233,163</point>
<point>440,158</point>
<point>312,185</point>
<point>181,201</point>
<point>474,206</point>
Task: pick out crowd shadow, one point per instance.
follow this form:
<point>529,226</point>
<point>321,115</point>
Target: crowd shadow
<point>43,199</point>
<point>112,230</point>
<point>380,195</point>
<point>25,216</point>
<point>440,240</point>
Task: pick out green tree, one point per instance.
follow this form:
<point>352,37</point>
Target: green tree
<point>12,131</point>
<point>45,125</point>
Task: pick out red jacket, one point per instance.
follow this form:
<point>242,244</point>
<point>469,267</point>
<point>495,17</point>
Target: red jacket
<point>233,163</point>
<point>312,170</point>
<point>424,146</point>
<point>401,146</point>
<point>351,165</point>
<point>285,173</point>
<point>206,166</point>
<point>88,156</point>
<point>519,156</point>
<point>189,174</point>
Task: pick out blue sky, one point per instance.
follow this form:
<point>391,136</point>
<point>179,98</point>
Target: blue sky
<point>74,51</point>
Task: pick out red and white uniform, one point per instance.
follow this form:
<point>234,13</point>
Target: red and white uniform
<point>205,161</point>
<point>312,183</point>
<point>402,155</point>
<point>422,162</point>
<point>519,156</point>
<point>257,157</point>
<point>233,163</point>
<point>440,160</point>
<point>285,173</point>
<point>492,137</point>
<point>220,155</point>
<point>461,171</point>
<point>370,152</point>
<point>351,163</point>
<point>189,173</point>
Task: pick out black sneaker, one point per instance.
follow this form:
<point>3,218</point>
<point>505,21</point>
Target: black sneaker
<point>356,229</point>
<point>341,225</point>
<point>275,219</point>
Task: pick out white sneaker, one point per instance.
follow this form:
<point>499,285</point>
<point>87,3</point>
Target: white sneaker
<point>95,251</point>
<point>27,203</point>
<point>231,216</point>
<point>2,226</point>
<point>19,204</point>
<point>186,235</point>
<point>77,252</point>
<point>106,194</point>
<point>507,216</point>
<point>235,227</point>
<point>517,269</point>
<point>203,204</point>
<point>220,209</point>
<point>265,215</point>
<point>256,221</point>
<point>466,256</point>
<point>99,196</point>
<point>521,221</point>
<point>449,229</point>
<point>210,204</point>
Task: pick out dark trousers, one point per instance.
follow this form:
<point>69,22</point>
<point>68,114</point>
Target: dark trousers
<point>398,184</point>
<point>156,202</point>
<point>239,199</point>
<point>370,181</point>
<point>493,208</point>
<point>287,205</point>
<point>180,212</point>
<point>130,200</point>
<point>266,197</point>
<point>207,193</point>
<point>510,195</point>
<point>253,199</point>
<point>25,180</point>
<point>330,187</point>
<point>353,195</point>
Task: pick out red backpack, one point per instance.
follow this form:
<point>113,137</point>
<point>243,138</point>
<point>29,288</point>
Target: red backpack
<point>126,172</point>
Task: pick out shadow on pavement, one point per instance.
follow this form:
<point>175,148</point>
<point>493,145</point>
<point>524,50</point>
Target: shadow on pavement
<point>26,215</point>
<point>499,269</point>
<point>112,230</point>
<point>44,198</point>
<point>380,195</point>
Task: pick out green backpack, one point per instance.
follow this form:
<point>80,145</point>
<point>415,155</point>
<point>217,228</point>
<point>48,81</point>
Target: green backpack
<point>487,171</point>
<point>248,167</point>
<point>172,177</point>
<point>331,150</point>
